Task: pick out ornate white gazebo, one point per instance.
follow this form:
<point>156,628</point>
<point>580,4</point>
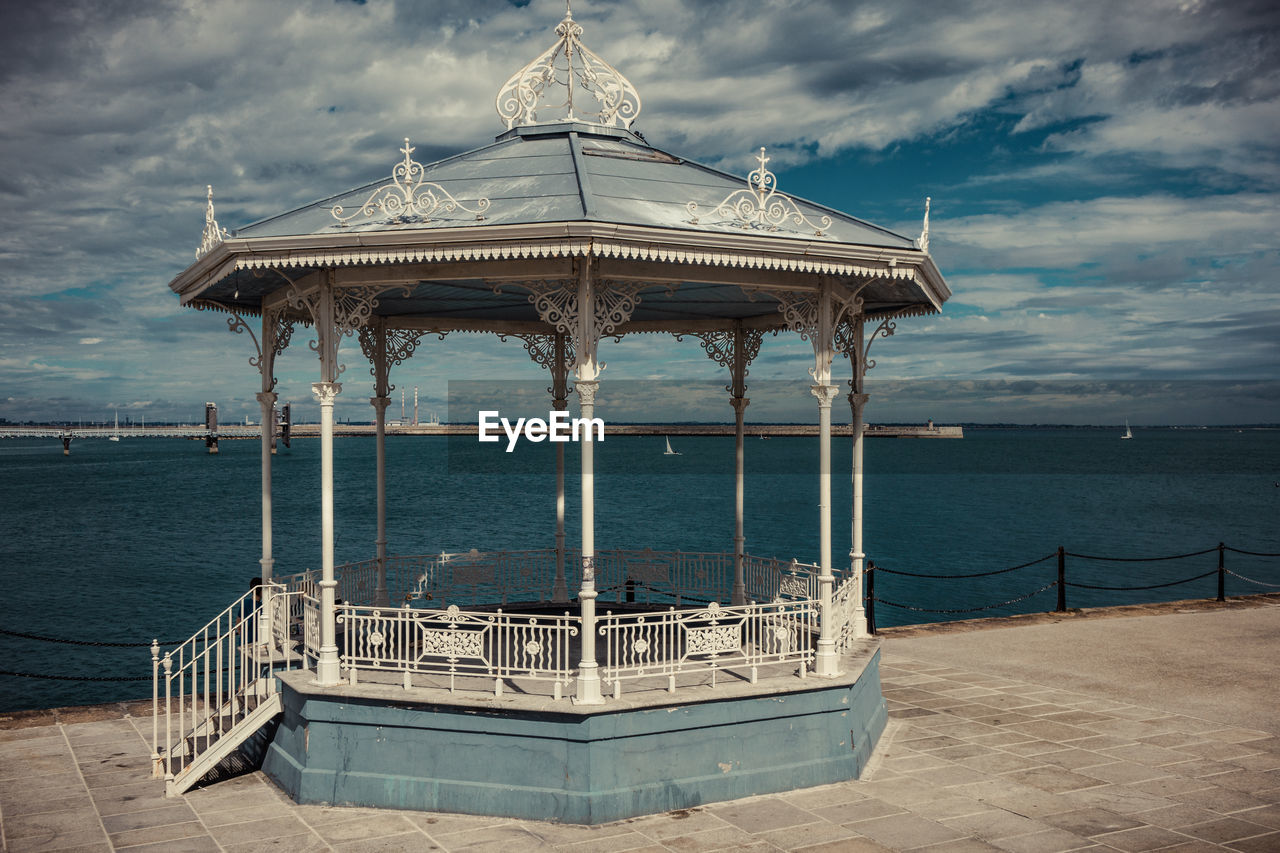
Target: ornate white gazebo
<point>570,228</point>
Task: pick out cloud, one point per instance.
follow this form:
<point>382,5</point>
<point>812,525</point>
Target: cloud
<point>1106,201</point>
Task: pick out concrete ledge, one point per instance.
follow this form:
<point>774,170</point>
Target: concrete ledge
<point>584,765</point>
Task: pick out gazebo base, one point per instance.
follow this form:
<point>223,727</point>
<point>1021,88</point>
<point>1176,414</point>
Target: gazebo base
<point>536,758</point>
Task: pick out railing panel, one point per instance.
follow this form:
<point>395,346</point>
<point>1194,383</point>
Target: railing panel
<point>710,639</point>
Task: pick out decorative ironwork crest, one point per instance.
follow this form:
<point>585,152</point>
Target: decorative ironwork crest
<point>568,63</point>
<point>213,235</point>
<point>409,197</point>
<point>761,206</point>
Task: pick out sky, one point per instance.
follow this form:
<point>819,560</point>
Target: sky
<point>1105,184</point>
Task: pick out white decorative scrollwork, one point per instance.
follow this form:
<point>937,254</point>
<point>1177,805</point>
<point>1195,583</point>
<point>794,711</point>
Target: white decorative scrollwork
<point>760,205</point>
<point>352,308</point>
<point>556,302</point>
<point>886,329</point>
<point>542,349</point>
<point>719,347</point>
<point>571,64</point>
<point>400,346</point>
<point>714,640</point>
<point>452,644</point>
<point>213,235</point>
<point>923,243</point>
<point>409,197</point>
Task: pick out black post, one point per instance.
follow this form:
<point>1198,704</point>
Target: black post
<point>870,574</point>
<point>1062,580</point>
<point>1222,574</point>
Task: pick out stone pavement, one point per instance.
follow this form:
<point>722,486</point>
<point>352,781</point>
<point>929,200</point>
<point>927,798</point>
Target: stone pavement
<point>973,759</point>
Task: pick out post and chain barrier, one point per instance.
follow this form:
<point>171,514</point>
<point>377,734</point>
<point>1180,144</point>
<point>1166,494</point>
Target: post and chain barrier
<point>1061,583</point>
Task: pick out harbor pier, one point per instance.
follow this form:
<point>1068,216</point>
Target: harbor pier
<point>996,739</point>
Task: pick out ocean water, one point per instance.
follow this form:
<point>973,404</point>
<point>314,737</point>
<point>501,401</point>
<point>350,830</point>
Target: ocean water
<point>143,538</point>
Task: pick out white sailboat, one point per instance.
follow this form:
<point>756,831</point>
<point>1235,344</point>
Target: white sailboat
<point>115,436</point>
<point>1128,433</point>
<point>669,451</point>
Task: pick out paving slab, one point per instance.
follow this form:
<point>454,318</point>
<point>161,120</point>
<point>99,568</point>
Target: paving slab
<point>996,743</point>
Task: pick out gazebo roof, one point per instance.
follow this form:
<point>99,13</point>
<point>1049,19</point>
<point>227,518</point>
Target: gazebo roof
<point>450,234</point>
<point>571,172</point>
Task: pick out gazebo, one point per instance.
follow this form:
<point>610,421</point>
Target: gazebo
<point>488,682</point>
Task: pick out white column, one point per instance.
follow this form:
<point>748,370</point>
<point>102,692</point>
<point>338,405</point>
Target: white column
<point>327,390</point>
<point>585,375</point>
<point>267,400</point>
<point>588,670</point>
<point>381,597</point>
<point>826,662</point>
<point>559,375</point>
<point>327,673</point>
<point>856,556</point>
<point>739,594</point>
<point>560,590</point>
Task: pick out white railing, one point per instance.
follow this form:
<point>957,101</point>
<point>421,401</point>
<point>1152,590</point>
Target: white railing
<point>706,640</point>
<point>431,636</point>
<point>453,643</point>
<point>215,679</point>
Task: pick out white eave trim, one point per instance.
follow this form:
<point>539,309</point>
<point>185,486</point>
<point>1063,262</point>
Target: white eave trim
<point>567,239</point>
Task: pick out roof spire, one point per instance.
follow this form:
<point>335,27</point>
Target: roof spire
<point>213,235</point>
<point>923,242</point>
<point>571,64</point>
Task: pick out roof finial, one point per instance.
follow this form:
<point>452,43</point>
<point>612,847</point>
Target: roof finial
<point>568,63</point>
<point>213,235</point>
<point>923,242</point>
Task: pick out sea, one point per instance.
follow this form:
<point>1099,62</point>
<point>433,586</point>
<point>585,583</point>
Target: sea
<point>123,542</point>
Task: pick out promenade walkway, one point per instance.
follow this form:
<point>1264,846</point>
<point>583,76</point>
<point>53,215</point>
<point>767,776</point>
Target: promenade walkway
<point>1153,728</point>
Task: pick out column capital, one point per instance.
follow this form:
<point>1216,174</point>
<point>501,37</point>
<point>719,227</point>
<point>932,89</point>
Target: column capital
<point>586,389</point>
<point>380,404</point>
<point>267,398</point>
<point>857,401</point>
<point>559,404</point>
<point>739,403</point>
<point>326,392</point>
<point>824,393</point>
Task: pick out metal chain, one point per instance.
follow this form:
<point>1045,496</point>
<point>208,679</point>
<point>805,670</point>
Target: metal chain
<point>26,636</point>
<point>75,677</point>
<point>974,575</point>
<point>1251,580</point>
<point>1152,586</point>
<point>1250,553</point>
<point>968,609</point>
<point>1139,559</point>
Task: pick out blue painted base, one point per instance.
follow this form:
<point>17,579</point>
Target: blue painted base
<point>579,765</point>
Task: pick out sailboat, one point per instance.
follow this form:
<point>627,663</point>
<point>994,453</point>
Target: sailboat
<point>1128,433</point>
<point>115,436</point>
<point>669,451</point>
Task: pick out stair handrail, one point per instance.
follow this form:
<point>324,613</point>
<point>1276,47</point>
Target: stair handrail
<point>223,660</point>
